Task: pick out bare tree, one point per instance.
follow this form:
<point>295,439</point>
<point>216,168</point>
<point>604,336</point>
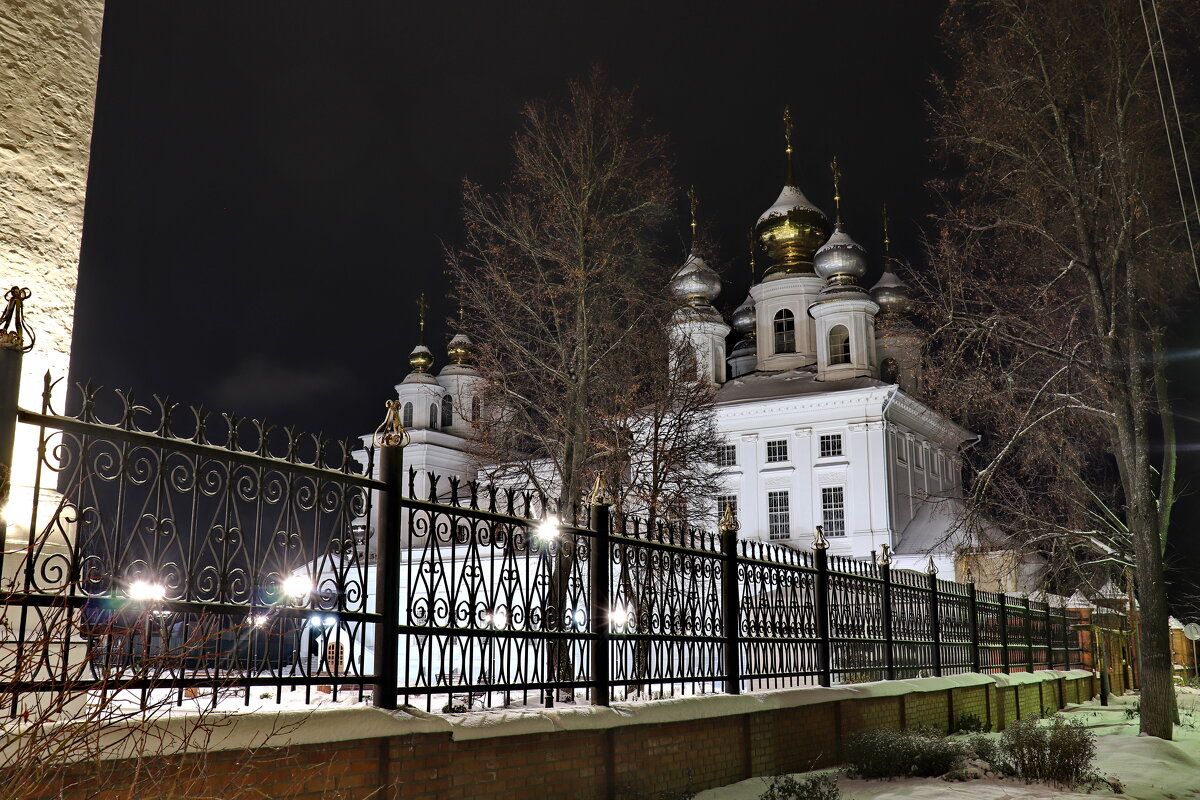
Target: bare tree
<point>664,438</point>
<point>1057,269</point>
<point>559,279</point>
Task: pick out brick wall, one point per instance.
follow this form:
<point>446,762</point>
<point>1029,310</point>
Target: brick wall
<point>631,760</point>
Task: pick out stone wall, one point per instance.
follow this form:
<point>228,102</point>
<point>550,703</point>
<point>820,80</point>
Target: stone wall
<point>47,96</point>
<point>632,750</point>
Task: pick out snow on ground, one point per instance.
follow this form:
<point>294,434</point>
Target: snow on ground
<point>1149,768</point>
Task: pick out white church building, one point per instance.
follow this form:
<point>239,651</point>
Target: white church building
<point>820,411</point>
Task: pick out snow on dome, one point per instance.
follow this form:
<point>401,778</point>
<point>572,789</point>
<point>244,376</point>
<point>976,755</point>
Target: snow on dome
<point>790,198</point>
<point>696,283</point>
<point>841,255</point>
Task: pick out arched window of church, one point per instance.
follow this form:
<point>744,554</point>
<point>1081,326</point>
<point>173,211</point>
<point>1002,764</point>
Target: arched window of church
<point>839,345</point>
<point>474,409</point>
<point>447,411</point>
<point>785,332</point>
<point>433,415</point>
<point>408,414</point>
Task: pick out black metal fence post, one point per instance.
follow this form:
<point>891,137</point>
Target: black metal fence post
<point>935,618</point>
<point>730,601</point>
<point>390,440</point>
<point>821,558</point>
<point>1049,635</point>
<point>885,573</point>
<point>973,612</point>
<point>1028,636</point>
<point>12,348</point>
<point>599,566</point>
<point>1004,633</point>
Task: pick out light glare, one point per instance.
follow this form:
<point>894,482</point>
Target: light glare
<point>297,586</point>
<point>548,530</point>
<point>145,591</point>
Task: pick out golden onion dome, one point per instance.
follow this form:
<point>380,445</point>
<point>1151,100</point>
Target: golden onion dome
<point>790,231</point>
<point>420,359</point>
<point>459,349</point>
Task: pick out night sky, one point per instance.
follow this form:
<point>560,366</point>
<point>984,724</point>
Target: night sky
<point>272,183</point>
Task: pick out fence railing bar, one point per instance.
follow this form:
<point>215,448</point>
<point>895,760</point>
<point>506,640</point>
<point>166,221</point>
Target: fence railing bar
<point>152,440</point>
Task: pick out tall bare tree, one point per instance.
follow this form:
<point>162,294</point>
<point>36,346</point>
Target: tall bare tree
<point>1058,266</point>
<point>560,279</point>
<point>564,289</point>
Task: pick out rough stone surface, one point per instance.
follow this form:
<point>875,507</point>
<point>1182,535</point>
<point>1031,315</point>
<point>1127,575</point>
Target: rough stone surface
<point>47,98</point>
<point>51,55</point>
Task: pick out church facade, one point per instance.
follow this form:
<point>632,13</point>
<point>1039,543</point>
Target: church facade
<point>817,399</point>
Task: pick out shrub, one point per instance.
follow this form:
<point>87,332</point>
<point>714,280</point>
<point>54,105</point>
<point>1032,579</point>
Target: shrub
<point>889,753</point>
<point>969,723</point>
<point>985,748</point>
<point>1060,753</point>
<point>818,787</point>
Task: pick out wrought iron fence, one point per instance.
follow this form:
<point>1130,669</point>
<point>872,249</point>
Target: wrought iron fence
<point>170,551</point>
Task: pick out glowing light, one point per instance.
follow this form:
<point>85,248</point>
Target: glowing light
<point>330,622</point>
<point>498,619</point>
<point>547,531</point>
<point>259,620</point>
<point>297,586</point>
<point>145,591</point>
<point>618,617</point>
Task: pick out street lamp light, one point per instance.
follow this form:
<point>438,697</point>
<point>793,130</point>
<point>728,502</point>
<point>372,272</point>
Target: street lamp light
<point>143,591</point>
<point>297,587</point>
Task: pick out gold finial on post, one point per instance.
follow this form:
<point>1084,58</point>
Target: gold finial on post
<point>819,541</point>
<point>599,495</point>
<point>837,191</point>
<point>391,432</point>
<point>14,330</point>
<point>885,556</point>
<point>729,521</point>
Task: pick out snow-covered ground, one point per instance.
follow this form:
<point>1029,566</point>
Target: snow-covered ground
<point>1149,768</point>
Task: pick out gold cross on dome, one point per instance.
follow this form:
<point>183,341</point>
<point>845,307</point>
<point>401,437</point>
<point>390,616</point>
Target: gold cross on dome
<point>422,307</point>
<point>837,189</point>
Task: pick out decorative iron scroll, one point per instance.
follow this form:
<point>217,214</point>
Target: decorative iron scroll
<point>219,550</point>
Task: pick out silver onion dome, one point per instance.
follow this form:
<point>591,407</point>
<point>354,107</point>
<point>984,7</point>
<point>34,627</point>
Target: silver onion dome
<point>840,257</point>
<point>744,317</point>
<point>891,293</point>
<point>696,283</point>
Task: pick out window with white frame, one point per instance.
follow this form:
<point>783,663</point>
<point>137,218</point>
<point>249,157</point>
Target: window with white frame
<point>779,515</point>
<point>726,455</point>
<point>833,510</point>
<point>726,502</point>
<point>785,331</point>
<point>831,445</point>
<point>902,449</point>
<point>777,450</point>
<point>935,462</point>
<point>408,415</point>
<point>919,455</point>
